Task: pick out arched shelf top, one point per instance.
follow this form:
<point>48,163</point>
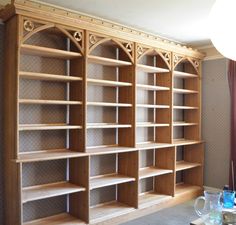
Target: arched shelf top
<point>49,26</point>
<point>165,56</point>
<point>194,63</point>
<point>127,49</point>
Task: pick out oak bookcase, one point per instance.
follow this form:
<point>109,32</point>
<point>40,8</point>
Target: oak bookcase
<point>102,122</point>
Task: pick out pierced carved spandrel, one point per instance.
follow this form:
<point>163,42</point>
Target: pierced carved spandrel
<point>141,50</point>
<point>93,40</point>
<point>129,46</point>
<point>167,57</point>
<point>196,64</point>
<point>177,59</point>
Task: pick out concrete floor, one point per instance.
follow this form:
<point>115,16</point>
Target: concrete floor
<point>181,214</point>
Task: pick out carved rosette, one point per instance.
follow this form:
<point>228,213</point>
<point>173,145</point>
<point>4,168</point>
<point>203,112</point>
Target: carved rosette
<point>78,36</point>
<point>28,25</point>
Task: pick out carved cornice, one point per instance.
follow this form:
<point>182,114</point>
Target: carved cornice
<point>40,10</point>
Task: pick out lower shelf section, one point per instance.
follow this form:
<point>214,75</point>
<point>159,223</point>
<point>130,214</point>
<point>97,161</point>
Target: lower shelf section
<point>182,189</point>
<point>108,210</point>
<point>152,198</point>
<point>60,219</point>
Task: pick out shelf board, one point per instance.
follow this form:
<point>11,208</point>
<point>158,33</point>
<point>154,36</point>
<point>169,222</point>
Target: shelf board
<point>107,125</point>
<point>108,83</point>
<point>149,124</point>
<point>184,107</point>
<point>183,123</point>
<point>182,188</point>
<point>108,180</point>
<point>152,171</point>
<point>182,141</point>
<point>151,69</point>
<point>152,198</point>
<point>47,77</point>
<point>60,126</point>
<point>109,210</point>
<point>49,190</point>
<point>152,87</point>
<point>179,74</point>
<point>59,219</point>
<point>152,145</point>
<point>107,61</point>
<point>153,106</point>
<point>183,165</point>
<point>109,104</point>
<point>49,102</point>
<point>184,91</point>
<point>44,155</point>
<point>95,150</point>
<point>48,52</point>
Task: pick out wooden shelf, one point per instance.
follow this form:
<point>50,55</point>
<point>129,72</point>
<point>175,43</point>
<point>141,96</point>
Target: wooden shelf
<point>182,188</point>
<point>98,150</point>
<point>152,145</point>
<point>183,123</point>
<point>44,155</point>
<point>108,180</point>
<point>107,125</point>
<point>179,74</point>
<point>153,106</point>
<point>60,219</point>
<point>108,83</point>
<point>26,127</point>
<point>151,69</point>
<point>152,87</point>
<point>184,91</point>
<point>107,61</point>
<point>185,107</point>
<point>183,165</point>
<point>109,104</point>
<point>49,190</point>
<point>149,124</point>
<point>48,52</point>
<point>109,210</point>
<point>152,198</point>
<point>47,77</point>
<point>181,141</point>
<point>48,102</point>
<point>152,171</point>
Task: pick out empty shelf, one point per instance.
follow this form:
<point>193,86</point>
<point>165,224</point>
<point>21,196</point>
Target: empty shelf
<point>152,87</point>
<point>153,106</point>
<point>180,74</point>
<point>184,107</point>
<point>109,83</point>
<point>183,165</point>
<point>106,125</point>
<point>183,123</point>
<point>151,69</point>
<point>107,61</point>
<point>49,77</point>
<point>108,210</point>
<point>49,190</point>
<point>152,171</point>
<point>44,155</point>
<point>184,91</point>
<point>182,188</point>
<point>98,150</point>
<point>182,141</point>
<point>60,219</point>
<point>26,127</point>
<point>147,124</point>
<point>48,52</point>
<point>152,145</point>
<point>109,104</point>
<point>152,198</point>
<point>108,180</point>
<point>49,102</point>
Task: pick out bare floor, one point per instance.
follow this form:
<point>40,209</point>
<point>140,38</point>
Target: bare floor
<point>181,214</point>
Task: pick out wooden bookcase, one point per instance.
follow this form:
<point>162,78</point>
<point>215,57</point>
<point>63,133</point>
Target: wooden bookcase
<point>101,120</point>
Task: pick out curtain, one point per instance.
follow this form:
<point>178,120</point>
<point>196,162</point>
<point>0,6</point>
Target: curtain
<point>232,88</point>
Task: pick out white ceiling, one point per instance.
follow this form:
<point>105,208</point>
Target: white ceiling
<point>184,21</point>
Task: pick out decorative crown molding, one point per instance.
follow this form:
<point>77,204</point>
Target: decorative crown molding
<point>37,9</point>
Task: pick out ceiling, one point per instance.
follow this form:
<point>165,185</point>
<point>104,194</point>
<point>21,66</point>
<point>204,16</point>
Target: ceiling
<point>184,21</point>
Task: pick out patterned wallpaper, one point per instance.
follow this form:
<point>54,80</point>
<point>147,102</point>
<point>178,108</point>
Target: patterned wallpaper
<point>1,123</point>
